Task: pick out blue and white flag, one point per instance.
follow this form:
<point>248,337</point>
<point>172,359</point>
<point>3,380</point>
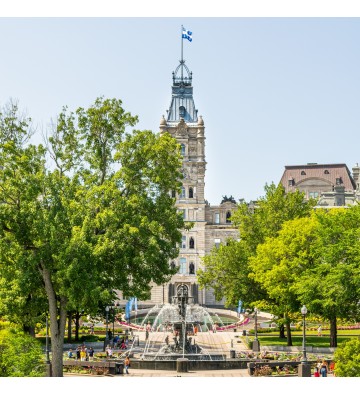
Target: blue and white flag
<point>186,34</point>
<point>135,304</point>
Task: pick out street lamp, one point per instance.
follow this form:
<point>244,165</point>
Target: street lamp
<point>303,312</point>
<point>304,369</point>
<point>106,342</point>
<point>256,343</point>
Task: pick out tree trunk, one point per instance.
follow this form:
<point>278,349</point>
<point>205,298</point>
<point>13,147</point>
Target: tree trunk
<point>282,332</point>
<point>69,326</point>
<point>77,325</point>
<point>333,332</point>
<point>29,330</point>
<point>288,333</point>
<point>57,310</point>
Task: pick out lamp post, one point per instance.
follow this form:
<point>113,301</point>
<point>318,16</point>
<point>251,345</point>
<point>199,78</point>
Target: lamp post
<point>106,342</point>
<point>304,369</point>
<point>256,343</point>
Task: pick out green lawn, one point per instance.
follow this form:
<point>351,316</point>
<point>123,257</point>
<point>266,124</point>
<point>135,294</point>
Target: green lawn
<point>272,339</point>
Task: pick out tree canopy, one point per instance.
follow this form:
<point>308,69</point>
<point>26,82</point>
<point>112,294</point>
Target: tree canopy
<point>88,213</point>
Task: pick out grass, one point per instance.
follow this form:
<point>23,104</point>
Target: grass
<point>272,339</point>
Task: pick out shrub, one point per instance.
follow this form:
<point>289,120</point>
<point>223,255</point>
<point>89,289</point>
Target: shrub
<point>263,371</point>
<point>347,359</point>
<point>20,355</point>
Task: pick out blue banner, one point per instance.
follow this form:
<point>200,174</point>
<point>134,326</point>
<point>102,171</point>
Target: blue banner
<point>239,310</point>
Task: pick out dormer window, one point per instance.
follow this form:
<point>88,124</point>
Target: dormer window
<point>182,111</point>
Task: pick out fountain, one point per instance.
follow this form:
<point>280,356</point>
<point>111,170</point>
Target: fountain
<point>173,328</point>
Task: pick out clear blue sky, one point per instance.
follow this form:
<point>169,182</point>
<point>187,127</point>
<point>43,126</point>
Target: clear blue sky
<point>272,91</point>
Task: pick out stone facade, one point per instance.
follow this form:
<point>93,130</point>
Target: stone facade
<point>332,185</point>
<point>211,224</point>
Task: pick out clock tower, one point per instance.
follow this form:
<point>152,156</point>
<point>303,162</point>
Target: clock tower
<point>183,123</point>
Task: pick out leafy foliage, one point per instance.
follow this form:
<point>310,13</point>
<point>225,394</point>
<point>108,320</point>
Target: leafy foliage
<point>20,355</point>
<point>347,359</point>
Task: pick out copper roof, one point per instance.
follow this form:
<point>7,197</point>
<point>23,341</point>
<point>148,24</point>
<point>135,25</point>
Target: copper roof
<point>327,172</point>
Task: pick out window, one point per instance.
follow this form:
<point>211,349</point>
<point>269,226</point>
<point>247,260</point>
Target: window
<point>313,195</point>
<point>182,193</point>
<point>182,111</point>
<point>303,173</point>
<point>217,218</point>
<point>228,216</point>
<point>191,193</point>
<point>173,194</point>
<point>182,149</point>
<point>338,181</point>
<point>326,172</point>
<point>183,212</point>
<point>217,243</point>
<point>183,242</point>
<point>191,243</point>
<point>191,268</point>
<point>291,182</point>
<point>182,267</point>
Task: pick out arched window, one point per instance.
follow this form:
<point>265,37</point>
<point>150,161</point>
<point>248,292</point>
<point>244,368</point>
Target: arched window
<point>191,193</point>
<point>191,243</point>
<point>182,111</point>
<point>182,193</point>
<point>182,149</point>
<point>326,172</point>
<point>303,173</point>
<point>228,216</point>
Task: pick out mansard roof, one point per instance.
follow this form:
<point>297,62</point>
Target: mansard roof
<point>328,173</point>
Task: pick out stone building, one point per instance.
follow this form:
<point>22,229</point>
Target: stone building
<point>211,224</point>
<point>332,184</point>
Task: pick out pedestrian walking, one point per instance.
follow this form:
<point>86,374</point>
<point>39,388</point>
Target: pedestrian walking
<point>319,330</point>
<point>127,364</point>
<point>324,369</point>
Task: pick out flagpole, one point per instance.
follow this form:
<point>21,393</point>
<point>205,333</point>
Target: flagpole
<point>182,44</point>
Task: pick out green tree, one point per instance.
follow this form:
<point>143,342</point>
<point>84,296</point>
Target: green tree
<point>98,218</point>
<point>278,264</point>
<point>347,359</point>
<point>331,286</point>
<point>20,355</point>
<point>227,269</point>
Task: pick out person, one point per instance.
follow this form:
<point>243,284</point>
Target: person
<point>148,329</point>
<point>195,330</point>
<point>78,353</point>
<point>324,369</point>
<point>70,354</point>
<point>319,330</point>
<point>82,354</point>
<point>92,329</point>
<point>127,364</point>
<point>91,354</point>
<point>316,372</point>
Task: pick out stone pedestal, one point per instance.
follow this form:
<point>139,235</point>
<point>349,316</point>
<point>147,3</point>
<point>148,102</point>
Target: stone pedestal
<point>182,365</point>
<point>304,370</point>
<point>256,345</point>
